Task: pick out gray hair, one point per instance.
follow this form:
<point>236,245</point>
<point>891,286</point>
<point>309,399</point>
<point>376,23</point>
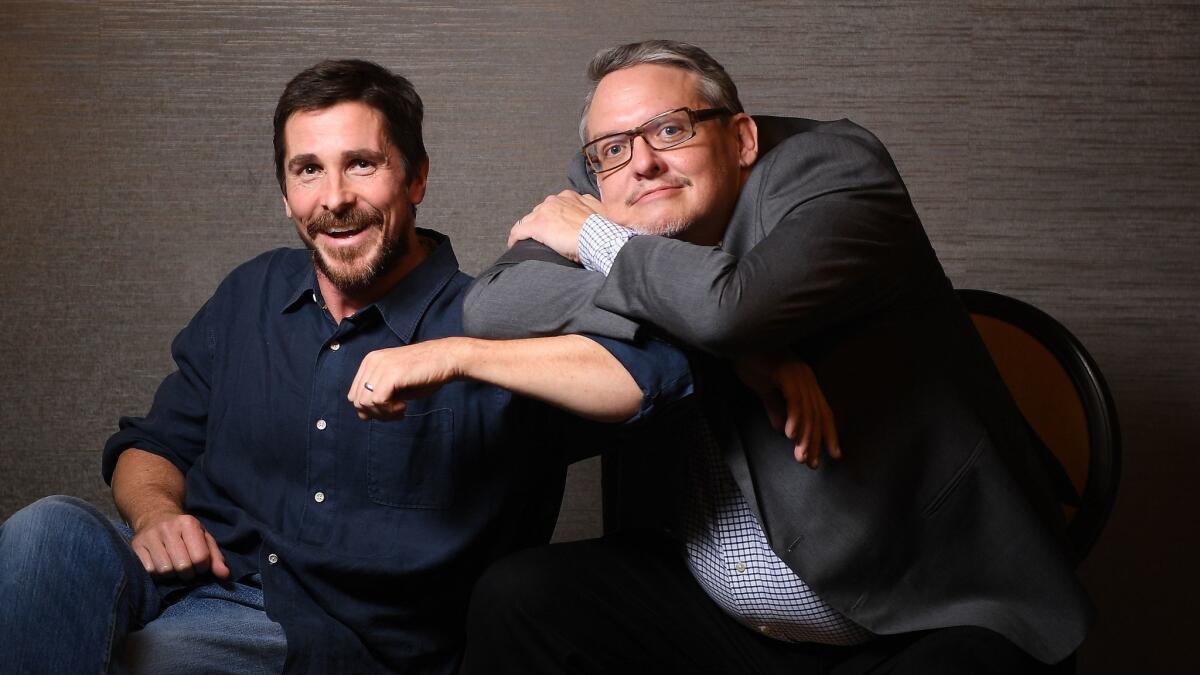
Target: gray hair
<point>716,87</point>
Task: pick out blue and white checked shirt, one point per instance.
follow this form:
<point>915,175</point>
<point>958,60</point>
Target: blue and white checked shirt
<point>727,550</point>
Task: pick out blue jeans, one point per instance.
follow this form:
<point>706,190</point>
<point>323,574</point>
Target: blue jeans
<point>74,598</point>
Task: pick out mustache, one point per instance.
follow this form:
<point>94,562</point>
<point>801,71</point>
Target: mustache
<point>681,181</point>
<point>355,219</point>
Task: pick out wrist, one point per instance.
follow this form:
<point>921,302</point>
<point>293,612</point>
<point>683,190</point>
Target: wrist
<point>152,517</point>
<point>465,356</point>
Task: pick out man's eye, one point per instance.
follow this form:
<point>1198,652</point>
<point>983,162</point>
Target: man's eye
<point>612,150</point>
<point>670,131</point>
<point>362,166</point>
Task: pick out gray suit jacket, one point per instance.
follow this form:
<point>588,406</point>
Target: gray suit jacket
<point>941,513</point>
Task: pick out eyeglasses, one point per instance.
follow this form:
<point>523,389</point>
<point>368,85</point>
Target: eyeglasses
<point>665,130</point>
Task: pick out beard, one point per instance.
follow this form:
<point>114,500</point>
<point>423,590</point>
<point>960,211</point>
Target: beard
<point>356,269</point>
<point>669,228</point>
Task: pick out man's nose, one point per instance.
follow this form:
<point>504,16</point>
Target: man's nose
<point>645,160</point>
<point>337,196</point>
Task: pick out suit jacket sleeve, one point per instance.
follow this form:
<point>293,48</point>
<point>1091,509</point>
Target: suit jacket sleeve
<point>531,291</point>
<point>823,232</point>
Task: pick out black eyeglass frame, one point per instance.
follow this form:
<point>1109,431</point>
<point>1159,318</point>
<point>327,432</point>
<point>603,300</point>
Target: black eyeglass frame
<point>694,116</point>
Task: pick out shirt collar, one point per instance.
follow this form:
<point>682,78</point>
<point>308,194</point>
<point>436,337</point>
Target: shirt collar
<point>407,301</point>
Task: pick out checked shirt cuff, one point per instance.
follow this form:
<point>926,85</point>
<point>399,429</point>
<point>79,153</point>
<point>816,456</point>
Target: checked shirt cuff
<point>600,240</point>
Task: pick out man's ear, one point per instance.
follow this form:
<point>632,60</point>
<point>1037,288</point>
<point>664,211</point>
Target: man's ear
<point>287,208</point>
<point>746,131</point>
<point>416,185</point>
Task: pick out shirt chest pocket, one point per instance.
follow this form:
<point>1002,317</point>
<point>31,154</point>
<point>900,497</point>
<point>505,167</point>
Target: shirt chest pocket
<point>411,462</point>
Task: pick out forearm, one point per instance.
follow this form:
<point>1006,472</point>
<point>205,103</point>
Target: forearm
<point>823,234</point>
<point>146,487</point>
<point>569,372</point>
<point>531,292</point>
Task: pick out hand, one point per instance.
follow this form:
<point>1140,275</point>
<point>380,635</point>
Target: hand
<point>177,544</point>
<point>556,222</point>
<point>795,405</point>
<point>388,377</point>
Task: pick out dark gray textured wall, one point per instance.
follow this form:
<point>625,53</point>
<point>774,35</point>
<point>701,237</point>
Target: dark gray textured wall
<point>1050,147</point>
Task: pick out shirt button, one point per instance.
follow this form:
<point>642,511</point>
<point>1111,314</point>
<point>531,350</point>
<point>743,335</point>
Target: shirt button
<point>335,346</point>
<point>321,425</point>
<point>319,497</point>
<point>741,567</point>
<point>272,558</point>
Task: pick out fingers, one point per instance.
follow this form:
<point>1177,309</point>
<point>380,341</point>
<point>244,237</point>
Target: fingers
<point>397,375</point>
<point>155,559</point>
<point>380,401</point>
<point>218,566</point>
<point>179,558</point>
<point>177,546</point>
<point>196,548</point>
<point>518,232</point>
<point>795,426</point>
<point>555,222</point>
<point>804,424</point>
<point>144,556</point>
<point>829,429</point>
<point>812,426</point>
<point>777,411</point>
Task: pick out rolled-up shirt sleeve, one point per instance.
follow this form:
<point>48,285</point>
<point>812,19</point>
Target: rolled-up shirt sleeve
<point>661,371</point>
<point>174,428</point>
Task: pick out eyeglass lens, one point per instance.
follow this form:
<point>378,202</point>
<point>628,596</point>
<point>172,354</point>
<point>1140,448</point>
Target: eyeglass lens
<point>664,131</point>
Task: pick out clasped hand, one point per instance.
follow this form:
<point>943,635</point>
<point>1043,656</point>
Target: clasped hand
<point>387,378</point>
<point>176,544</point>
<point>795,404</point>
<point>556,222</point>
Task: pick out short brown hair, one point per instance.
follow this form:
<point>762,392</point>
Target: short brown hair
<point>331,82</point>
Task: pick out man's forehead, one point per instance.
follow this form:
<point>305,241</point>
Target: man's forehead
<point>628,97</point>
<point>346,124</point>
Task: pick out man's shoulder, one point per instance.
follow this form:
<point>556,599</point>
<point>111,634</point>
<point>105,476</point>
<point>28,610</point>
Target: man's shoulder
<point>789,140</point>
<point>774,130</point>
<point>274,263</point>
<point>271,274</point>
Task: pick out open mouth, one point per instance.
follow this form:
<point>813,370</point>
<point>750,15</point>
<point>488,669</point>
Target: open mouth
<point>343,232</point>
<point>346,228</point>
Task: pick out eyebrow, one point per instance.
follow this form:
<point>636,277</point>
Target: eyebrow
<point>301,161</point>
<point>617,132</point>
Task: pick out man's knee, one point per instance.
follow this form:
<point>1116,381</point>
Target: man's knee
<point>528,582</point>
<point>47,543</point>
<point>54,528</point>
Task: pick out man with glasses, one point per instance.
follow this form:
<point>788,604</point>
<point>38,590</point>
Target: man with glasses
<point>934,545</point>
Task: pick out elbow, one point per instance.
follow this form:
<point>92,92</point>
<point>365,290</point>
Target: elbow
<point>721,331</point>
<point>619,414</point>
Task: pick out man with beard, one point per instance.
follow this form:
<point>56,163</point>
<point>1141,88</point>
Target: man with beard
<point>322,479</point>
<point>933,545</point>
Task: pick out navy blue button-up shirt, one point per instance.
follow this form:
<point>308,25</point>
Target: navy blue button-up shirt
<point>368,534</point>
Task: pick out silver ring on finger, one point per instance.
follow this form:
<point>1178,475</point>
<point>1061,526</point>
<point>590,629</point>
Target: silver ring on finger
<point>368,386</point>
